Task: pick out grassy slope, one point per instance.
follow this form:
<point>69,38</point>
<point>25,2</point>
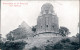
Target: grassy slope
<point>41,41</point>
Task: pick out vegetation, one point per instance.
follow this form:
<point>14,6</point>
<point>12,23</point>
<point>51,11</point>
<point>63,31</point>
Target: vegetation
<point>64,31</point>
<point>77,35</point>
<point>11,45</point>
<point>64,44</point>
<point>35,48</point>
<point>0,36</point>
<point>10,37</point>
<point>34,29</point>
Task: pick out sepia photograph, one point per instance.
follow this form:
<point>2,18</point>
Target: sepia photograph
<point>39,25</point>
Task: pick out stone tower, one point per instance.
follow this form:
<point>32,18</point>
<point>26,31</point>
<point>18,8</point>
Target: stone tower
<point>47,21</point>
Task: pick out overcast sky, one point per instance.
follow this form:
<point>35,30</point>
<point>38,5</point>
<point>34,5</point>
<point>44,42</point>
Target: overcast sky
<point>11,17</point>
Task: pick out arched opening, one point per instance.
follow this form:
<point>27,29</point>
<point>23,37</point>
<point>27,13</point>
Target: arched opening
<point>41,27</point>
<point>46,25</point>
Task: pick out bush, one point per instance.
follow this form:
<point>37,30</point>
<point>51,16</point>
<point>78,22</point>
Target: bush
<point>58,46</point>
<point>1,44</point>
<point>75,44</point>
<point>48,47</point>
<point>65,40</point>
<point>11,45</point>
<point>35,48</point>
<point>64,44</point>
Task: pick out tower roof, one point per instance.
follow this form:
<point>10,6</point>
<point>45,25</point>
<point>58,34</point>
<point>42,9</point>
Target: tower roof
<point>47,7</point>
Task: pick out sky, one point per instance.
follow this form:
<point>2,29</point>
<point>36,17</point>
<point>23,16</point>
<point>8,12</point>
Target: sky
<point>12,15</point>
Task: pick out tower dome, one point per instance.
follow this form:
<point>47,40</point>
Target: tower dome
<point>47,8</point>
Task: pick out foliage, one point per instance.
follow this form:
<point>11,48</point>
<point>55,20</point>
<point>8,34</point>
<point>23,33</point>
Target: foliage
<point>35,48</point>
<point>64,44</point>
<point>11,45</point>
<point>48,47</point>
<point>10,37</point>
<point>0,36</point>
<point>64,31</point>
<point>77,35</point>
<point>34,29</point>
<point>1,44</point>
<point>65,40</point>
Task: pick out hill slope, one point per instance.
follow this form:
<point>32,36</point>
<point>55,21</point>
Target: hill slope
<point>41,41</point>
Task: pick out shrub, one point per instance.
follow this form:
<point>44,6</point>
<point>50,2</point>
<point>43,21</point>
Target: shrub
<point>1,44</point>
<point>35,48</point>
<point>48,47</point>
<point>58,46</point>
<point>64,44</point>
<point>65,40</point>
<point>11,45</point>
<point>75,44</point>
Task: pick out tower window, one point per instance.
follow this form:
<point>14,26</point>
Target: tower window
<point>47,11</point>
<point>41,26</point>
<point>46,25</point>
<point>53,26</point>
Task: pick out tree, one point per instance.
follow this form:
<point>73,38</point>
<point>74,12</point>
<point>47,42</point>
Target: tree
<point>34,29</point>
<point>0,37</point>
<point>64,31</point>
<point>10,36</point>
<point>77,35</point>
<point>12,45</point>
